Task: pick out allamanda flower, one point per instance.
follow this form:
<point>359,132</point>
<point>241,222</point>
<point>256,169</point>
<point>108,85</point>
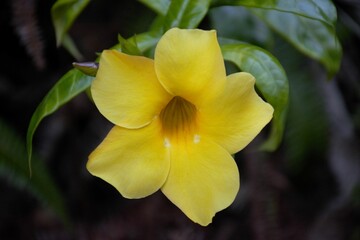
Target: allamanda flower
<point>178,119</point>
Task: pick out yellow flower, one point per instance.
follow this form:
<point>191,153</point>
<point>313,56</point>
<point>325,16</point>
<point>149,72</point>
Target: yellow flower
<point>178,118</point>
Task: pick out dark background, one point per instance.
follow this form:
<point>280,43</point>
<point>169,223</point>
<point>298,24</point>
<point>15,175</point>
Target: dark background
<point>307,189</point>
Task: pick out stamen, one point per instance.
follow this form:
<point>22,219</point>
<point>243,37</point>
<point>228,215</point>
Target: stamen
<point>196,138</point>
<point>178,119</point>
<point>167,142</point>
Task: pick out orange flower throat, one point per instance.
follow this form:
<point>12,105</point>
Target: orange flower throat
<point>178,119</point>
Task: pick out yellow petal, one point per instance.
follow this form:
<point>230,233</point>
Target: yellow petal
<point>203,179</point>
<point>189,64</point>
<point>237,116</point>
<point>134,161</point>
<point>126,90</point>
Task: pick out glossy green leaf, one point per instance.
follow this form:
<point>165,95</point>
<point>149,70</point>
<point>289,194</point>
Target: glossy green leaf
<point>64,13</point>
<point>307,24</point>
<point>69,86</point>
<point>177,13</point>
<point>271,80</point>
<point>159,6</point>
<point>14,169</point>
<point>185,13</point>
<point>314,38</point>
<point>320,10</point>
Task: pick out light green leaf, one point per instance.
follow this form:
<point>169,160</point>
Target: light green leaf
<point>69,45</point>
<point>69,86</point>
<point>144,41</point>
<point>313,38</point>
<point>14,169</point>
<point>64,13</point>
<point>320,10</point>
<point>159,6</point>
<point>129,46</point>
<point>271,80</point>
<point>185,13</point>
<point>147,40</point>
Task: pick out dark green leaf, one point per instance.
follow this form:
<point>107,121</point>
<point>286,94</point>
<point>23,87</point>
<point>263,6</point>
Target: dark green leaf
<point>64,13</point>
<point>227,21</point>
<point>314,38</point>
<point>185,13</point>
<point>159,6</point>
<point>69,86</point>
<point>271,80</point>
<point>320,10</point>
<point>307,24</point>
<point>307,129</point>
<point>13,168</point>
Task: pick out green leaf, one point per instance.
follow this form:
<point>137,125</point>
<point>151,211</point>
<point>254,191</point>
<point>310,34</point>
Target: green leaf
<point>177,13</point>
<point>313,38</point>
<point>14,169</point>
<point>147,40</point>
<point>69,86</point>
<point>320,10</point>
<point>227,21</point>
<point>144,41</point>
<point>185,13</point>
<point>70,46</point>
<point>309,25</point>
<point>159,6</point>
<point>307,127</point>
<point>64,13</point>
<point>73,83</point>
<point>271,80</point>
<point>129,46</point>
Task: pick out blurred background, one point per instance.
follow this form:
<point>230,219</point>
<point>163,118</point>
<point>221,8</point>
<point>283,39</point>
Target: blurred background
<point>307,189</point>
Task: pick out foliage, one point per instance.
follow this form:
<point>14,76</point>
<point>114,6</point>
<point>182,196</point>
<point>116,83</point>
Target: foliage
<point>310,154</point>
<point>64,13</point>
<point>14,169</point>
<point>69,86</point>
<point>270,79</point>
<point>308,26</point>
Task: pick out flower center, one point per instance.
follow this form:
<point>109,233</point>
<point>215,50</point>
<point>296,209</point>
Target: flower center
<point>178,119</point>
